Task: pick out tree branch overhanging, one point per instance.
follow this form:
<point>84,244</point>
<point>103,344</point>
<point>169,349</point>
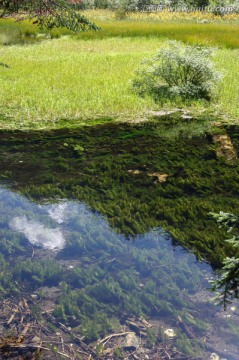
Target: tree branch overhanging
<point>46,13</point>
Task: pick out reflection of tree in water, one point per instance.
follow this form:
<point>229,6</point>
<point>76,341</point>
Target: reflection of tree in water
<point>228,280</point>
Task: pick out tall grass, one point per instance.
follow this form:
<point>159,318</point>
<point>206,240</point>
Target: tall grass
<point>163,16</point>
<point>225,35</point>
<point>25,32</point>
<point>65,82</point>
<point>17,32</point>
<point>222,34</point>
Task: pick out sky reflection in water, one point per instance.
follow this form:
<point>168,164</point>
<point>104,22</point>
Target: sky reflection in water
<point>53,227</point>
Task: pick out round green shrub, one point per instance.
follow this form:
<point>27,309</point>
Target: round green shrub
<point>178,70</point>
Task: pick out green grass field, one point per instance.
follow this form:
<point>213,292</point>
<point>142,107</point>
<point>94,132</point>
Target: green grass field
<point>78,79</point>
<point>222,35</point>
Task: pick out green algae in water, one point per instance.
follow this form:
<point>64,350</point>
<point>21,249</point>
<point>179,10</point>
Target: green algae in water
<point>106,214</point>
<point>111,175</point>
<point>103,277</point>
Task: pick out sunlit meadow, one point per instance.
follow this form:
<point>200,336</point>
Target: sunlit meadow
<point>78,79</point>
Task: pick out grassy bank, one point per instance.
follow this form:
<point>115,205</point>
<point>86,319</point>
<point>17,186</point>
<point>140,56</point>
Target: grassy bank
<point>78,79</point>
<point>223,35</point>
<point>71,79</point>
<point>188,27</point>
<point>67,81</point>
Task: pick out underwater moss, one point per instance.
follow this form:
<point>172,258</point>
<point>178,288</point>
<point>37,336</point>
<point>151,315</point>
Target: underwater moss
<point>116,171</point>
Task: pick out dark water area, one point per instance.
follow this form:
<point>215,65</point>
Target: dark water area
<point>96,225</point>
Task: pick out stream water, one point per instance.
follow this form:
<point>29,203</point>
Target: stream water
<point>70,222</point>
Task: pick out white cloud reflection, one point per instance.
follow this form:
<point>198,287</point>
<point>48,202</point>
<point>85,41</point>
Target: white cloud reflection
<point>38,234</point>
<point>57,212</point>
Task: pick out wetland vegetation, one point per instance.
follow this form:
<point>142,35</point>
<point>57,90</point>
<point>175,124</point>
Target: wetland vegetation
<point>105,196</point>
<point>102,185</point>
<point>56,83</point>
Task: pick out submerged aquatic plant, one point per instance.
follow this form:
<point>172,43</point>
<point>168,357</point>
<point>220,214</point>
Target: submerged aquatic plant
<point>116,260</point>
